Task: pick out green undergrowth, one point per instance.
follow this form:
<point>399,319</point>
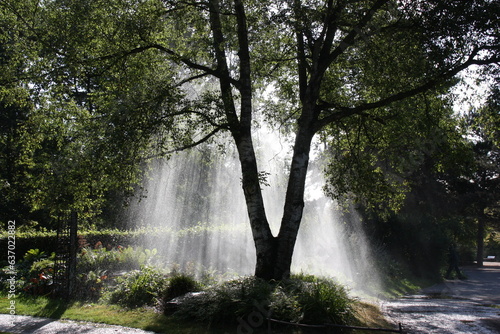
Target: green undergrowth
<point>394,288</point>
<point>397,279</point>
<point>142,318</point>
<point>149,319</point>
<point>237,305</point>
<point>303,299</point>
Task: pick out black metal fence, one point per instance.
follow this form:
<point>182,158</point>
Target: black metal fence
<point>65,262</point>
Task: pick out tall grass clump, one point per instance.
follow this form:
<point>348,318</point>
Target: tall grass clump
<point>301,299</point>
<point>321,300</point>
<point>179,285</point>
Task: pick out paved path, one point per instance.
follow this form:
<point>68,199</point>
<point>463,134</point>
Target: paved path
<point>20,324</point>
<point>482,285</point>
<point>455,306</point>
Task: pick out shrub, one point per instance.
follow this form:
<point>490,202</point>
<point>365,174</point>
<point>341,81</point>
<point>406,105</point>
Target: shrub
<point>323,301</point>
<point>138,288</point>
<point>285,306</point>
<point>35,272</point>
<point>226,302</point>
<point>117,259</point>
<point>303,299</point>
<point>89,285</point>
<point>178,285</point>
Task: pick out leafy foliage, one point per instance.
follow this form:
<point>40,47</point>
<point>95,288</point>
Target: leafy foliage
<point>179,285</point>
<point>95,268</point>
<point>116,259</point>
<point>104,85</point>
<point>138,288</point>
<point>302,299</point>
<point>34,273</point>
<point>63,161</point>
<point>375,162</point>
<point>90,285</point>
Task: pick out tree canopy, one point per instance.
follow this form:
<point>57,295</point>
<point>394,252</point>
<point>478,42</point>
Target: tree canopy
<point>122,80</point>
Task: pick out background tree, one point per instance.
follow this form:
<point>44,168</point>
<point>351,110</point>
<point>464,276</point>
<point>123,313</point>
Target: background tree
<point>16,107</point>
<point>480,190</point>
<point>416,172</point>
<point>74,133</point>
<point>453,197</point>
<point>181,72</point>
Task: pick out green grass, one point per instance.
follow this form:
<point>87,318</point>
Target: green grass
<point>403,286</point>
<point>147,318</point>
<point>143,318</point>
<point>236,298</point>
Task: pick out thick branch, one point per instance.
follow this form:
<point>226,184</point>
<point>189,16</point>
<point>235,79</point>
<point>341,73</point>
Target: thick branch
<point>222,71</point>
<point>343,112</point>
<point>174,56</point>
<point>192,78</point>
<point>245,67</point>
<point>351,36</point>
<point>301,54</point>
<point>206,117</point>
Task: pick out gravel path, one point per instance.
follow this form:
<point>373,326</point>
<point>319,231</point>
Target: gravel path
<point>455,306</point>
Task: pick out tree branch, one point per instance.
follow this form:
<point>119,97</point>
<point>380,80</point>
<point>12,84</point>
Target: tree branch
<point>351,36</point>
<point>245,65</point>
<point>194,77</point>
<point>207,118</point>
<point>343,111</point>
<point>193,144</point>
<point>174,56</point>
<point>301,55</point>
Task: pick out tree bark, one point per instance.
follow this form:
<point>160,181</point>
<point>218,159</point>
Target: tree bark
<point>240,128</point>
<point>480,242</point>
<point>294,204</point>
<point>274,254</point>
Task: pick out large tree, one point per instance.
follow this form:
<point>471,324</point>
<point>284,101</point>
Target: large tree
<point>480,190</point>
<point>58,151</point>
<point>182,71</point>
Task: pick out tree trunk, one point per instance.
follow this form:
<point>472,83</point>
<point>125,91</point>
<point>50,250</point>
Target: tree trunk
<point>480,242</point>
<point>274,254</point>
<point>265,243</point>
<point>278,251</point>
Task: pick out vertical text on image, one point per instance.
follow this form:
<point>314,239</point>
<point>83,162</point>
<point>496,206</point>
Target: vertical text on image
<point>11,259</point>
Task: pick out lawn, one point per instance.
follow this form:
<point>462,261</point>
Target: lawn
<point>142,318</point>
<point>145,318</point>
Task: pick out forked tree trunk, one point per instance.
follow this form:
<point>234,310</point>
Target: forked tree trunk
<point>274,256</point>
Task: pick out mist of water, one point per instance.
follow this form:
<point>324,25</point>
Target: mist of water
<point>195,202</point>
